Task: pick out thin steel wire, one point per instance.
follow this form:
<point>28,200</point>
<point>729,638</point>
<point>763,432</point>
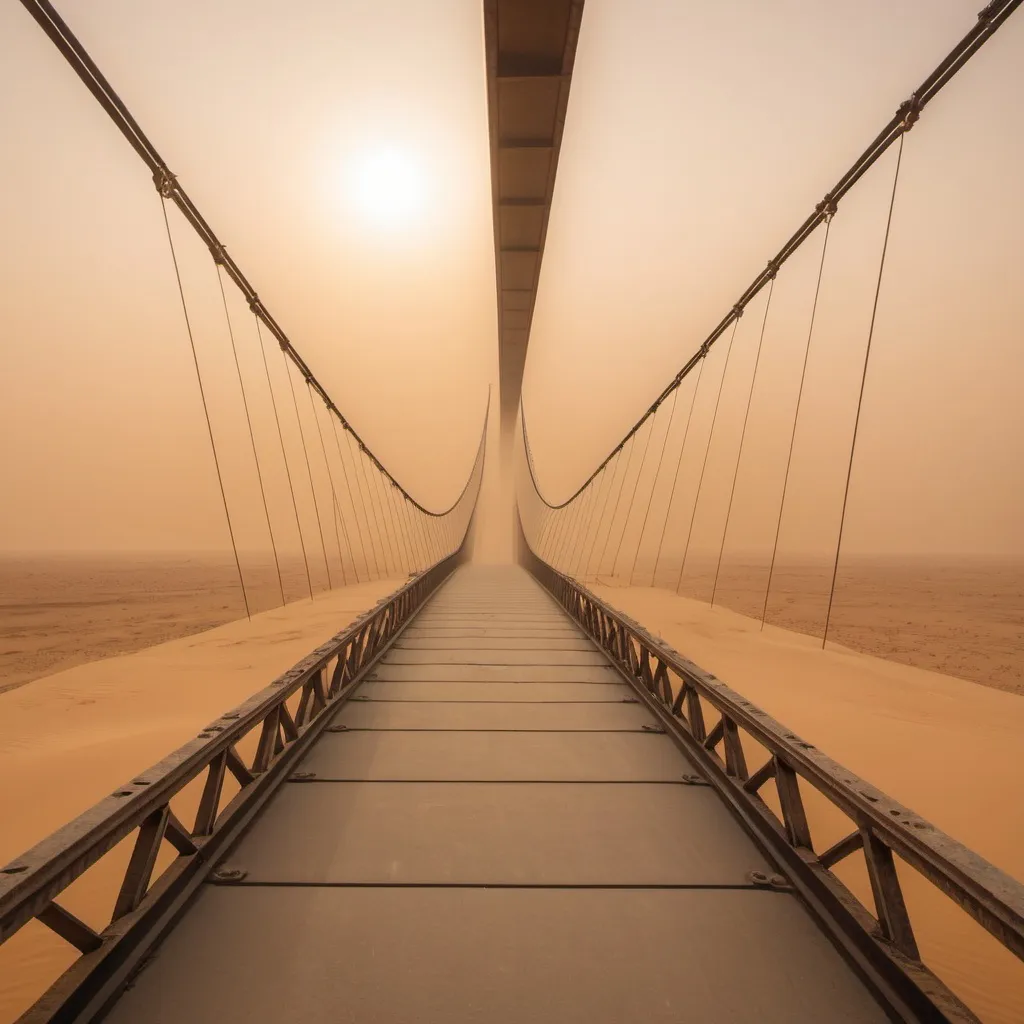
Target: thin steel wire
<point>654,483</point>
<point>334,494</point>
<point>284,457</point>
<point>351,501</point>
<point>615,508</point>
<point>860,396</point>
<point>381,499</point>
<point>600,518</point>
<point>675,476</point>
<point>373,508</point>
<point>309,468</point>
<point>596,521</point>
<point>746,418</point>
<point>206,409</point>
<point>632,498</point>
<point>252,436</point>
<point>796,420</point>
<point>585,532</point>
<point>707,452</point>
<point>607,498</point>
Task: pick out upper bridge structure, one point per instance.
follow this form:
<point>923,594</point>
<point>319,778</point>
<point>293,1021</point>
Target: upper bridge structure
<point>494,797</point>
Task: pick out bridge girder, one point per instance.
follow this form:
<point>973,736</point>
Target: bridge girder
<point>530,49</point>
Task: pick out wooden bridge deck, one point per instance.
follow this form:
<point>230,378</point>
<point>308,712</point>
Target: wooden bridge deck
<point>493,830</point>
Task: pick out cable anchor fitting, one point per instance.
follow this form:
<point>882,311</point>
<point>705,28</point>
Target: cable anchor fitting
<point>909,111</point>
<point>988,11</point>
<point>166,183</point>
<point>827,208</point>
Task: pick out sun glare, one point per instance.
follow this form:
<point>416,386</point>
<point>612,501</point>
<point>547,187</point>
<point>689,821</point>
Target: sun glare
<point>389,187</point>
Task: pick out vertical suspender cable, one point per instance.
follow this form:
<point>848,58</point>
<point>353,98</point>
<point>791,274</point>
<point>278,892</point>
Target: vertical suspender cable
<point>252,436</point>
<point>604,508</point>
<point>860,396</point>
<point>357,457</point>
<point>679,462</point>
<point>654,482</point>
<point>636,485</point>
<point>746,417</point>
<point>593,491</point>
<point>309,468</point>
<point>284,456</point>
<point>583,562</point>
<point>707,450</point>
<point>796,420</point>
<point>615,508</point>
<point>206,410</point>
<point>351,500</point>
<point>334,493</point>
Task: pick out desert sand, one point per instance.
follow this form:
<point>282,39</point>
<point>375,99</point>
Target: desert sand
<point>80,733</point>
<point>948,748</point>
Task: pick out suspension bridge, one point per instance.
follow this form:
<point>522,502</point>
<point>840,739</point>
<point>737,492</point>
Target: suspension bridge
<point>494,796</point>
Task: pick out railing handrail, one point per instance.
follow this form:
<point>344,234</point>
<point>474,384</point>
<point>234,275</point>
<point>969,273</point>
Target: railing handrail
<point>987,894</point>
<point>990,18</point>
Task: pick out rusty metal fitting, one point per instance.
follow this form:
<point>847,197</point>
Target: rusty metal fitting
<point>827,207</point>
<point>909,111</point>
<point>166,183</point>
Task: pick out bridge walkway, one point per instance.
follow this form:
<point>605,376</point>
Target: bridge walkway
<point>493,830</point>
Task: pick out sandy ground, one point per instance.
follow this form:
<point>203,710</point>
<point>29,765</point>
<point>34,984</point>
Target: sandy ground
<point>71,738</point>
<point>958,616</point>
<point>61,611</point>
<point>949,749</point>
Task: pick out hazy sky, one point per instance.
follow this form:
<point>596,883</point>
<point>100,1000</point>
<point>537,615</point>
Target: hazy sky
<point>698,136</point>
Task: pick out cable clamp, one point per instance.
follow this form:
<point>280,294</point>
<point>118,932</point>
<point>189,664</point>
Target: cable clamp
<point>989,10</point>
<point>737,311</point>
<point>219,253</point>
<point>827,208</point>
<point>255,305</point>
<point>166,183</point>
<point>909,111</point>
<point>704,349</point>
<point>773,268</point>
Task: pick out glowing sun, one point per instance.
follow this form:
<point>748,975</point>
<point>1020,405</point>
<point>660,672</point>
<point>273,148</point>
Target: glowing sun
<point>388,187</point>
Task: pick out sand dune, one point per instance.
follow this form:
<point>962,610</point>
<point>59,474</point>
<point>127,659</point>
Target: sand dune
<point>71,738</point>
<point>949,749</point>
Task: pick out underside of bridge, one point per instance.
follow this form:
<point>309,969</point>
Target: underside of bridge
<point>531,46</point>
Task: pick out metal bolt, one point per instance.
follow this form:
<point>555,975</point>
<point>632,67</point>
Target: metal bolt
<point>694,780</point>
<point>229,875</point>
